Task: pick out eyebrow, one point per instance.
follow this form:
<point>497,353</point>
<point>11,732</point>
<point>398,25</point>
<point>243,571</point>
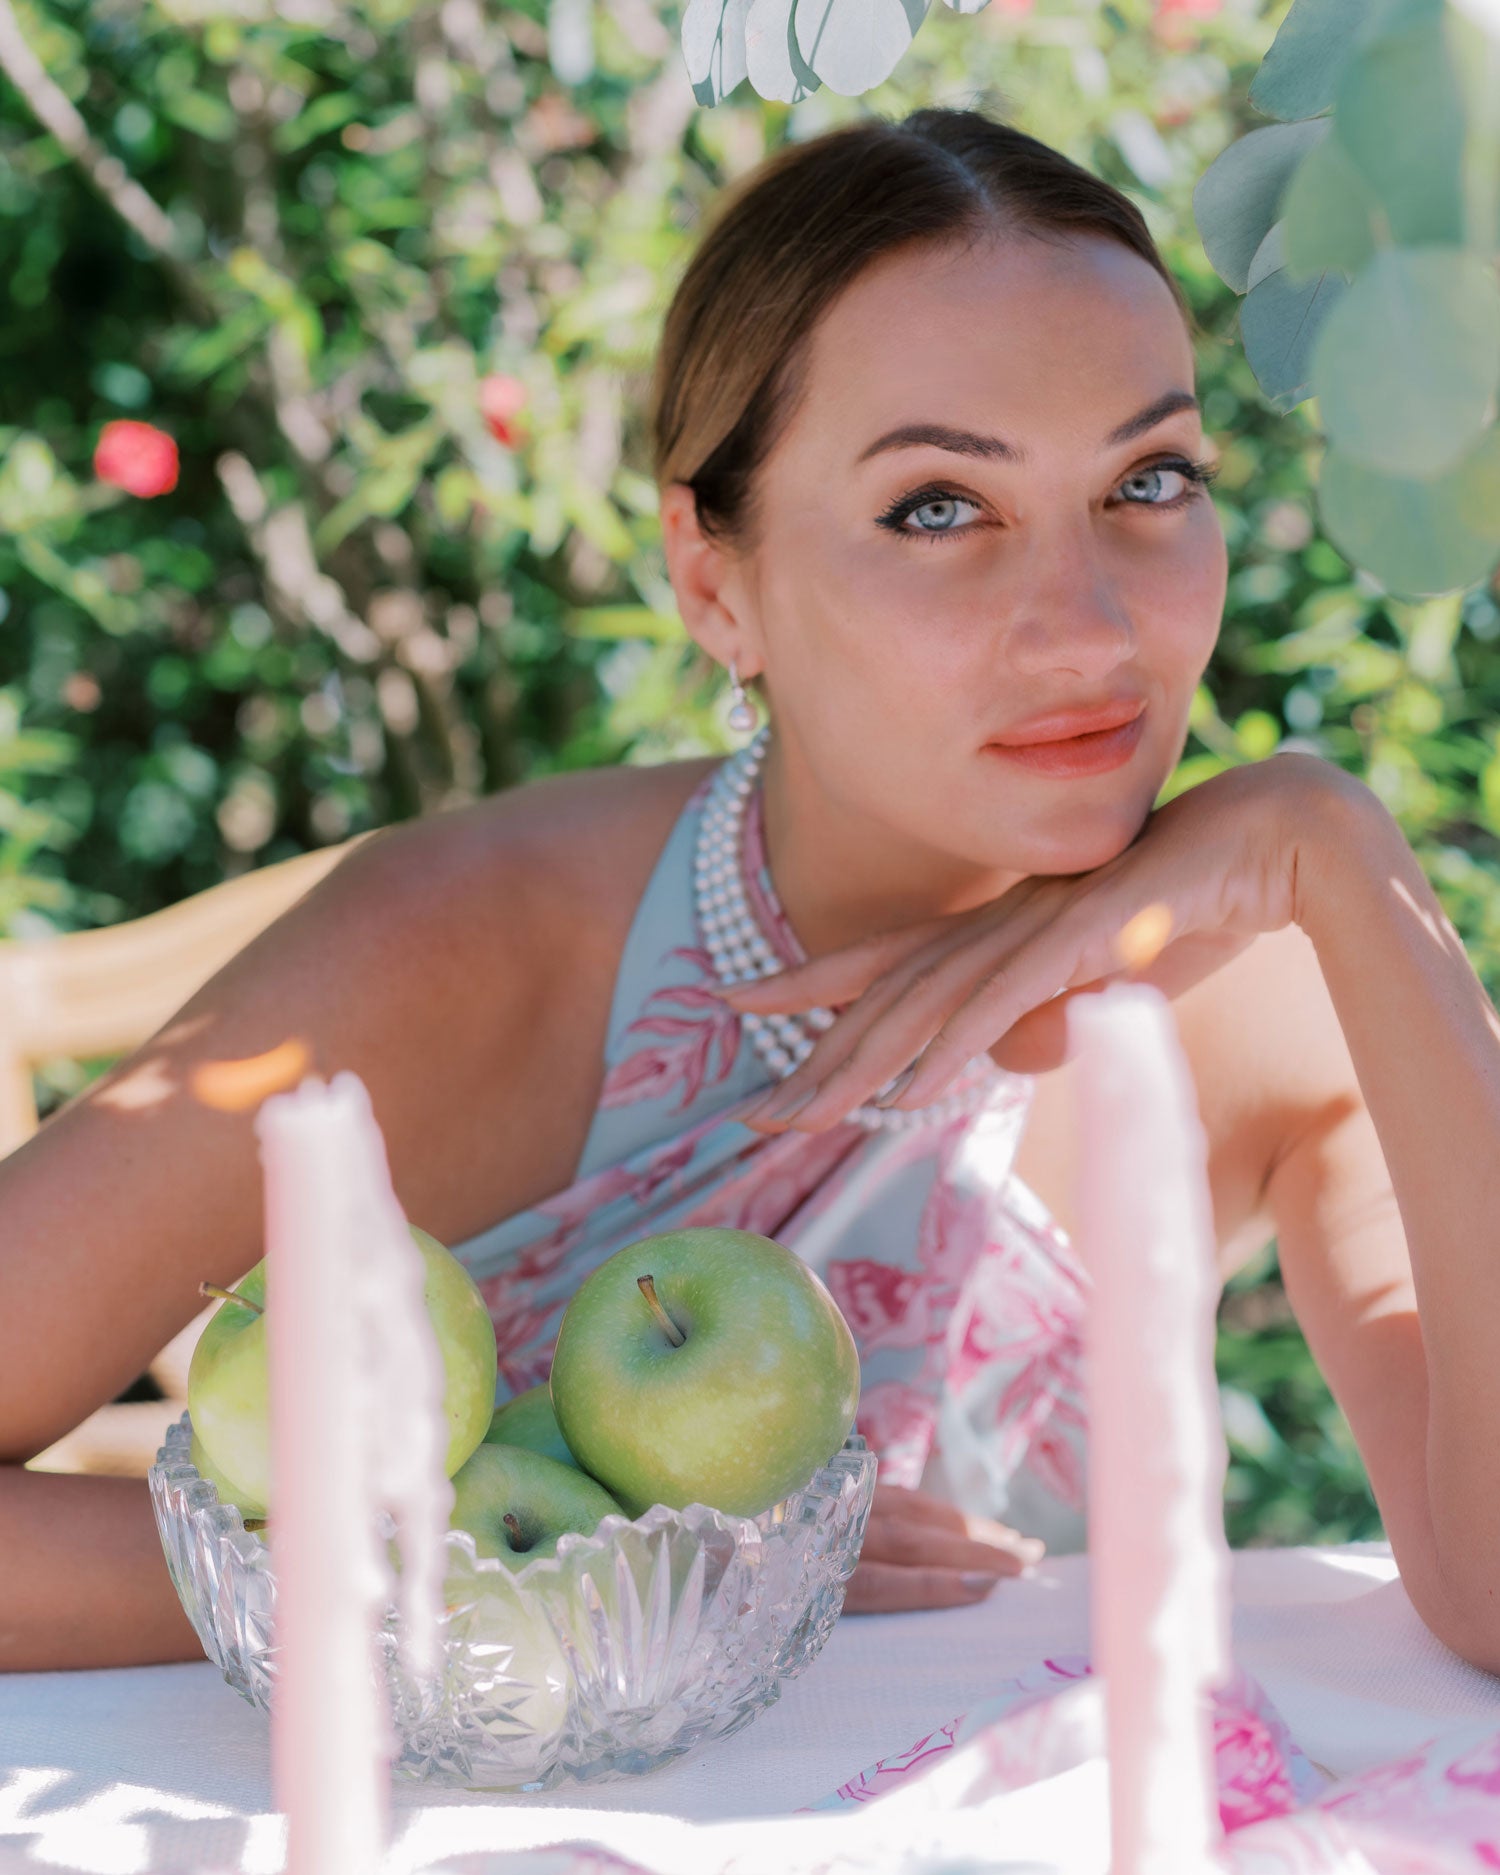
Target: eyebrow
<point>971,443</point>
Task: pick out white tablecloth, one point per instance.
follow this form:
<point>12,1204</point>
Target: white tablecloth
<point>162,1769</point>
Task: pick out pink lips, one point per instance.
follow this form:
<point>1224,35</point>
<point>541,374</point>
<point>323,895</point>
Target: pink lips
<point>1066,724</point>
<point>1092,753</point>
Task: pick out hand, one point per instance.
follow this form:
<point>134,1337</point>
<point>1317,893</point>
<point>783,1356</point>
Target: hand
<point>918,1550</point>
<point>1219,861</point>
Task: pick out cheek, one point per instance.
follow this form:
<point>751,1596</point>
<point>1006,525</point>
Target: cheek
<point>1178,606</point>
<point>844,629</point>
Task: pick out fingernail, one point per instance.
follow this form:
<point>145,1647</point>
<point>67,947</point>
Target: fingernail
<point>1032,1550</point>
<point>890,1095</point>
<point>786,1108</point>
<point>976,1583</point>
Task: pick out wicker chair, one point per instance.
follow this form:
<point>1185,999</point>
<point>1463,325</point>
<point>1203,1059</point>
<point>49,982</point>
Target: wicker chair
<point>98,993</point>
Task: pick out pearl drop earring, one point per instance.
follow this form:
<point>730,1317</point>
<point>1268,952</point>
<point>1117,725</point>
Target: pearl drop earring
<point>742,716</point>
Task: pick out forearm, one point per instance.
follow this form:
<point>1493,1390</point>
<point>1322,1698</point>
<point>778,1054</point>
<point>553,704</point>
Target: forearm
<point>1425,1043</point>
<point>83,1581</point>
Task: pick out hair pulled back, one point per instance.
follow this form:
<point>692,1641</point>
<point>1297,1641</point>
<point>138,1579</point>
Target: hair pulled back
<point>787,239</point>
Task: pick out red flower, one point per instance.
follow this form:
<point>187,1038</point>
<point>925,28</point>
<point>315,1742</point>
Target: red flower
<point>500,399</point>
<point>136,457</point>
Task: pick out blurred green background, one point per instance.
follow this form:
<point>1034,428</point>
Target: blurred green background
<point>360,603</point>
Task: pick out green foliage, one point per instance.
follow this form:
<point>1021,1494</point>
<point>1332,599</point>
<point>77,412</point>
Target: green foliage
<point>1294,1472</point>
<point>1370,217</point>
<point>358,604</point>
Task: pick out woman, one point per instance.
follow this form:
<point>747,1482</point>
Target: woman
<point>929,461</point>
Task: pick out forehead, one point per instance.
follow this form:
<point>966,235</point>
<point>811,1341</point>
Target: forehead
<point>1040,342</point>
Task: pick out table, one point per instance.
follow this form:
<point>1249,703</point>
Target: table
<point>162,1769</point>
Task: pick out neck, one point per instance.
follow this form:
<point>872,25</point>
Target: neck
<point>841,876</point>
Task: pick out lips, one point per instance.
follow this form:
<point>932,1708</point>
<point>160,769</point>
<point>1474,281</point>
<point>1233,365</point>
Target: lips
<point>1063,725</point>
<point>1093,753</point>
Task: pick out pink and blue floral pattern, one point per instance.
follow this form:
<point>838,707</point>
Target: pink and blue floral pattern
<point>1051,1717</point>
<point>962,1295</point>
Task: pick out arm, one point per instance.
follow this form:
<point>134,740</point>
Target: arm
<point>1386,1203</point>
<point>413,964</point>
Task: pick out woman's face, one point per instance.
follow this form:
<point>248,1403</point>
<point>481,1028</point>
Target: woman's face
<point>909,602</point>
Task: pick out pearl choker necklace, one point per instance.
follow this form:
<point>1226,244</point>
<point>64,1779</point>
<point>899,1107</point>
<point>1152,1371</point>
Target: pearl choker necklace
<point>740,950</point>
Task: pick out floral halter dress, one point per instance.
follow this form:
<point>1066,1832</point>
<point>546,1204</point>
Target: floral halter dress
<point>963,1295</point>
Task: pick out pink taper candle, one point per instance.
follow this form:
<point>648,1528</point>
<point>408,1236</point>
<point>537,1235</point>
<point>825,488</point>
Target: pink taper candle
<point>329,1768</point>
<point>356,1425</point>
<point>1158,1558</point>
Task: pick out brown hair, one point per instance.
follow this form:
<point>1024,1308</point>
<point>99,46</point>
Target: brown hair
<point>790,236</point>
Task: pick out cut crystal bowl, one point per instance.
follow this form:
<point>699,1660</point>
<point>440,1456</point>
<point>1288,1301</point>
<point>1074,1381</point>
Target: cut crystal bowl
<point>621,1652</point>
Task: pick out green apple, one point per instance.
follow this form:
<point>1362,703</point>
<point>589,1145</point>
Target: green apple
<point>528,1420</point>
<point>229,1379</point>
<point>516,1504</point>
<point>229,1492</point>
<point>704,1366</point>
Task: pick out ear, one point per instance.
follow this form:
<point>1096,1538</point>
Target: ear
<point>709,581</point>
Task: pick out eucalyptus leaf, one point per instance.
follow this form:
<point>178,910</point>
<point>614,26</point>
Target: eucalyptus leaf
<point>777,69</point>
<point>1400,116</point>
<point>1328,211</point>
<point>854,45</point>
<point>713,47</point>
<point>1279,320</point>
<point>1476,59</point>
<point>1407,366</point>
<point>1238,197</point>
<point>1300,74</point>
<point>1416,537</point>
<point>967,6</point>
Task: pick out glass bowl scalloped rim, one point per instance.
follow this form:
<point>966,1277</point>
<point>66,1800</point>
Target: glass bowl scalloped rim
<point>172,1457</point>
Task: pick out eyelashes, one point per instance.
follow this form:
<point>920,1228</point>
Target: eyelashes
<point>1200,475</point>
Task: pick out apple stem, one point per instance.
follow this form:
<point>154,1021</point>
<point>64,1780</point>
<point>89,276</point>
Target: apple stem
<point>673,1333</point>
<point>513,1525</point>
<point>213,1289</point>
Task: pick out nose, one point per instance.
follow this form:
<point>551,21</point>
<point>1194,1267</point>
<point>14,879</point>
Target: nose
<point>1075,624</point>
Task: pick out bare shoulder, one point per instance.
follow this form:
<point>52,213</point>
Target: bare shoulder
<point>477,953</point>
<point>484,944</point>
<point>554,859</point>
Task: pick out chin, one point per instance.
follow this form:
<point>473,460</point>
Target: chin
<point>1084,851</point>
<point>1075,836</point>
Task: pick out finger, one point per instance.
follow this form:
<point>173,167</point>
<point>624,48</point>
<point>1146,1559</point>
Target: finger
<point>890,1039</point>
<point>908,1500</point>
<point>915,1545</point>
<point>838,977</point>
<point>885,1588</point>
<point>900,987</point>
<point>1069,948</point>
<point>918,1506</point>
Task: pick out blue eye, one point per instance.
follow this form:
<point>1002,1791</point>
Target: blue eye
<point>1197,474</point>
